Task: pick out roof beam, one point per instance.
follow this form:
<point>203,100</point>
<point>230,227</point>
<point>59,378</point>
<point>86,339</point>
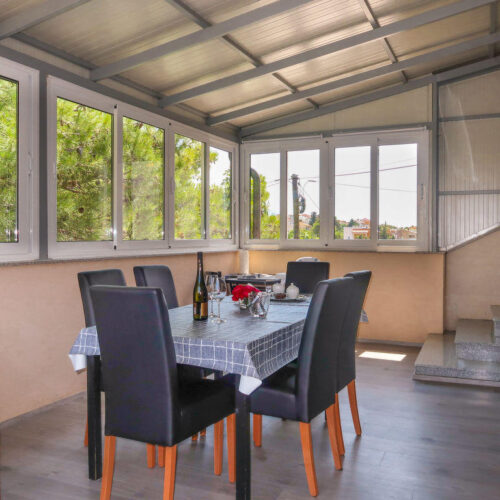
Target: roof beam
<point>335,106</point>
<point>493,25</point>
<point>474,68</point>
<point>50,49</point>
<point>346,43</point>
<point>35,15</point>
<point>370,15</point>
<point>195,38</point>
<point>190,13</point>
<point>388,69</point>
<point>478,67</point>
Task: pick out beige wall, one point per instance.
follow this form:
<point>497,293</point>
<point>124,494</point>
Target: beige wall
<point>405,298</point>
<point>472,280</point>
<point>41,314</point>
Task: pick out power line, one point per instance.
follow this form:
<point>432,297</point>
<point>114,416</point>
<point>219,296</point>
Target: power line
<point>380,189</point>
<point>380,170</point>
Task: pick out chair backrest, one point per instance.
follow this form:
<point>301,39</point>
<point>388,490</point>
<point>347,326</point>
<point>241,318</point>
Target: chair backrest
<point>158,277</point>
<point>306,275</point>
<point>347,364</point>
<point>86,279</point>
<point>138,363</point>
<point>318,353</point>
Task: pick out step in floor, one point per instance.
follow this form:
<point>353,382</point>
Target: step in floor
<point>474,340</point>
<point>438,362</point>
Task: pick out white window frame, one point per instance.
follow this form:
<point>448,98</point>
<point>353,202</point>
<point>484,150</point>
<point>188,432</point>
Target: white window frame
<point>327,148</point>
<point>247,150</point>
<point>117,246</point>
<point>209,141</point>
<point>27,194</point>
<point>61,89</point>
<point>291,146</point>
<point>140,115</point>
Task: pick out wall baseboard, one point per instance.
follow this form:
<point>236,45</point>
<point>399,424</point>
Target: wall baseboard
<point>18,418</point>
<point>390,342</point>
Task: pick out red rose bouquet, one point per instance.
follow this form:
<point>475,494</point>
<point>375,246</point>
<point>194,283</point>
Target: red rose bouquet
<point>242,293</point>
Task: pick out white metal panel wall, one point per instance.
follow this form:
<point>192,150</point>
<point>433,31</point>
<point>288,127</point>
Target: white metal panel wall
<point>469,159</point>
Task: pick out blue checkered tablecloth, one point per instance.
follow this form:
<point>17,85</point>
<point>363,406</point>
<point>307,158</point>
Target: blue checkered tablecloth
<point>251,347</point>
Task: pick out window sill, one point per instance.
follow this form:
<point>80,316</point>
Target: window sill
<point>117,255</point>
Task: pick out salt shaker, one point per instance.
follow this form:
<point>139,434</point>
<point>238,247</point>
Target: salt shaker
<point>292,292</point>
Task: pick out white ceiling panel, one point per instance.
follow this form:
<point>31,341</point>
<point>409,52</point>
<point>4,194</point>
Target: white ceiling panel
<point>103,31</point>
<point>9,8</point>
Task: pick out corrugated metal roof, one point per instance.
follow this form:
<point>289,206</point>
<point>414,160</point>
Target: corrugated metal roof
<point>9,8</point>
<point>105,31</point>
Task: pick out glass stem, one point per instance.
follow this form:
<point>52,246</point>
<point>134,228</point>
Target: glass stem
<point>218,309</point>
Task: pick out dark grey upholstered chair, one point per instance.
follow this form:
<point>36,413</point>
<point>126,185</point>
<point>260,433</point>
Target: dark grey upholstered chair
<point>306,275</point>
<point>158,277</point>
<point>346,367</point>
<point>86,279</point>
<point>145,400</point>
<point>304,392</point>
<point>346,374</point>
<point>161,277</point>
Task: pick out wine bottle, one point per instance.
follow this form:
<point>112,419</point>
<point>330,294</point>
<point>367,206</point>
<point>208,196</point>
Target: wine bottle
<point>200,294</point>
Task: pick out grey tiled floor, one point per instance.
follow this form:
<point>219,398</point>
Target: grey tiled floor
<point>420,442</point>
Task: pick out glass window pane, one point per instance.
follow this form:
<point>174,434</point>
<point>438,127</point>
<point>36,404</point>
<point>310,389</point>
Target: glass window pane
<point>397,184</point>
<point>143,186</point>
<point>84,173</point>
<point>220,199</point>
<point>8,161</point>
<point>189,174</point>
<point>303,195</point>
<point>265,196</point>
<point>352,193</point>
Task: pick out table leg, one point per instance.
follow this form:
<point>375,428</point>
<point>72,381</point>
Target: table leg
<point>94,416</point>
<point>243,455</point>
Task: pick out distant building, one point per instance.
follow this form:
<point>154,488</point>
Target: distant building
<point>356,233</point>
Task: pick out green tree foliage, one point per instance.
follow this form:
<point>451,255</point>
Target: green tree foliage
<point>189,166</point>
<point>8,161</point>
<point>384,231</point>
<point>269,223</point>
<point>143,191</point>
<point>189,178</point>
<point>84,173</point>
<point>220,198</point>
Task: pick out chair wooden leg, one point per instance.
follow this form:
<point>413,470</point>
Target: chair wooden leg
<point>108,467</point>
<point>231,447</point>
<point>353,402</point>
<point>151,453</point>
<point>170,458</point>
<point>161,456</point>
<point>330,420</point>
<point>338,426</point>
<point>218,447</point>
<point>203,433</point>
<point>194,437</point>
<point>307,452</point>
<point>257,430</point>
<point>86,437</point>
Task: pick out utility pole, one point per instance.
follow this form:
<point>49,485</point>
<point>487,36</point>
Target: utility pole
<point>295,198</point>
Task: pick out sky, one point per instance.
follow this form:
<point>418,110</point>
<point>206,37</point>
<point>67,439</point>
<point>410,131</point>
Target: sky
<point>397,181</point>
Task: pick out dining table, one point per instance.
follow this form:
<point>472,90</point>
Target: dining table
<point>251,348</point>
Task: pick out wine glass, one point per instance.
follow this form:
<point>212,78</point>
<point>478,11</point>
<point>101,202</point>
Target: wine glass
<point>218,293</point>
<point>210,289</point>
